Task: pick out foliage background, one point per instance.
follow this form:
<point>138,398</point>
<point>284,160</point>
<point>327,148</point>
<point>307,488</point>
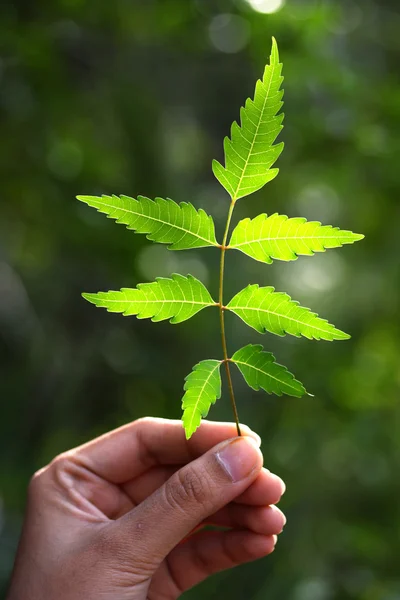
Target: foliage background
<point>135,97</point>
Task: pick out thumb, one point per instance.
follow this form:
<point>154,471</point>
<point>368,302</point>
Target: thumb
<point>151,530</point>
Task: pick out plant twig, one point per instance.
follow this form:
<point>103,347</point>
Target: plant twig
<point>222,316</point>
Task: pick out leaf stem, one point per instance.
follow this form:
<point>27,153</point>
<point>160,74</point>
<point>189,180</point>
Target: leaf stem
<point>222,316</point>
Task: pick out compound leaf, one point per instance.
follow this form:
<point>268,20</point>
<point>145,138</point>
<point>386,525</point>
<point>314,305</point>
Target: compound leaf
<point>202,388</point>
<point>266,310</point>
<point>278,237</point>
<point>250,153</point>
<point>260,370</point>
<point>177,299</point>
<point>179,225</point>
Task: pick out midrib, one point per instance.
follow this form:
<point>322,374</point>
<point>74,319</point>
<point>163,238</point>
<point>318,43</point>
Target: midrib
<point>255,135</point>
<point>202,390</point>
<point>132,212</point>
<point>239,362</point>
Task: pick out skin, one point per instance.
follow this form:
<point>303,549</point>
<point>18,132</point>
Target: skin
<point>123,516</point>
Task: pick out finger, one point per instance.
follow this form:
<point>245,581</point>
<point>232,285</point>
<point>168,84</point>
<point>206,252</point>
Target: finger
<point>139,488</point>
<point>127,452</point>
<point>260,495</point>
<point>196,491</point>
<point>265,520</point>
<point>266,489</point>
<point>210,552</point>
<point>260,517</point>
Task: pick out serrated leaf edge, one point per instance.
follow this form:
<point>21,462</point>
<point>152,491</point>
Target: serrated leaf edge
<point>217,366</point>
<point>345,336</point>
<point>259,346</point>
<point>83,198</point>
<point>90,297</point>
<point>237,246</point>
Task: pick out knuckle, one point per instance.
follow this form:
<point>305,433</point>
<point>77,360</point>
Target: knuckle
<point>230,552</point>
<point>144,422</point>
<point>63,471</point>
<point>187,487</point>
<point>203,561</point>
<point>56,473</point>
<point>36,483</point>
<point>43,476</point>
<point>60,464</point>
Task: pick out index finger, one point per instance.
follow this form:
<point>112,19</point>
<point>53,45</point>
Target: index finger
<point>128,451</point>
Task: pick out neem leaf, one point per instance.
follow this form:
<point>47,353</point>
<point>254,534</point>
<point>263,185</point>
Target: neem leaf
<point>181,226</point>
<point>202,388</point>
<point>250,153</point>
<point>266,310</point>
<point>177,299</point>
<point>278,237</point>
<point>260,370</point>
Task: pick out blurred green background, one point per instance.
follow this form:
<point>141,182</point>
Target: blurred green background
<point>135,97</point>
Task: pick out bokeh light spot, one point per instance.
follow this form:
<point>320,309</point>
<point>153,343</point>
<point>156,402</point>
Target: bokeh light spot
<point>318,201</point>
<point>322,274</point>
<point>266,6</point>
<point>229,33</point>
<point>313,589</point>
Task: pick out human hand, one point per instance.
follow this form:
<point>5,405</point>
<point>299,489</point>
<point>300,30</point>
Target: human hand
<point>119,518</point>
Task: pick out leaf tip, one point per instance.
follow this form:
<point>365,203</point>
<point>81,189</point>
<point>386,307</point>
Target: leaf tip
<point>274,51</point>
<point>215,164</point>
<point>188,432</point>
<point>89,297</point>
<point>341,335</point>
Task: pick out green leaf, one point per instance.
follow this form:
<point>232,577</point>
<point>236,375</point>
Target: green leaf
<point>203,388</point>
<point>267,310</point>
<point>250,154</point>
<point>165,221</point>
<point>278,237</point>
<point>177,299</point>
<point>260,370</point>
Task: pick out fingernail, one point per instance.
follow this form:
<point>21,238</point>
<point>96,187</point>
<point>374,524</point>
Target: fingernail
<point>277,510</point>
<point>275,538</point>
<point>240,457</point>
<point>256,438</point>
<point>245,429</point>
<point>282,483</point>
